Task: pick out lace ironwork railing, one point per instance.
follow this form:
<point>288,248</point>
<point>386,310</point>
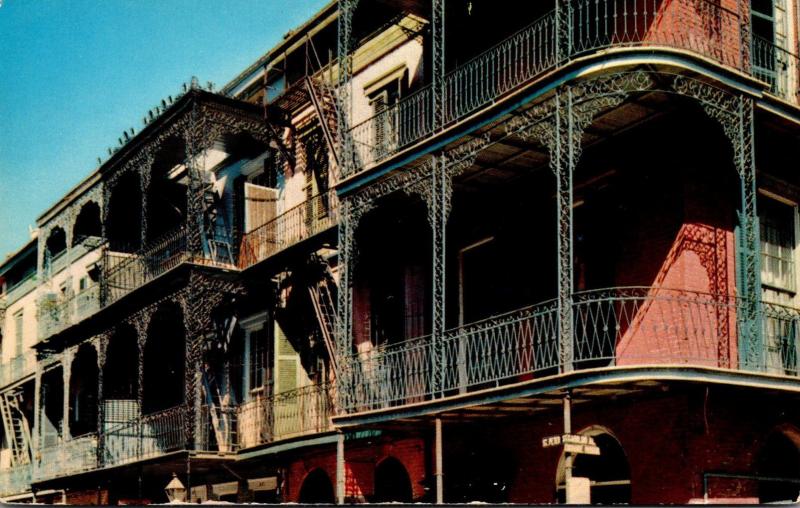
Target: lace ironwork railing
<point>145,437</point>
<point>56,313</point>
<point>67,458</point>
<point>311,217</point>
<point>701,27</point>
<point>285,415</point>
<point>613,327</point>
<point>15,480</point>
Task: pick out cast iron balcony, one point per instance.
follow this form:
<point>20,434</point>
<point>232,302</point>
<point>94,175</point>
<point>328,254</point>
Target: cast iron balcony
<point>311,217</point>
<point>699,27</point>
<point>612,328</point>
<point>285,415</point>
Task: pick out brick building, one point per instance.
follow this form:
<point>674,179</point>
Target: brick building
<point>393,259</point>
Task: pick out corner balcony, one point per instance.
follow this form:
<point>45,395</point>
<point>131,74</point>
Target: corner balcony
<point>297,224</point>
<point>613,329</point>
<point>124,272</point>
<point>699,27</point>
<point>285,415</point>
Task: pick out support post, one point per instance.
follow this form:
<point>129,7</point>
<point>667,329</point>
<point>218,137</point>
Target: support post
<point>340,479</point>
<point>750,271</point>
<point>568,457</point>
<point>37,408</point>
<point>438,70</point>
<point>438,472</point>
<point>438,211</point>
<point>66,363</point>
<point>345,58</point>
<point>563,159</point>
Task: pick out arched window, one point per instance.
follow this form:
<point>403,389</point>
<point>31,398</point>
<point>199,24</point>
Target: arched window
<point>778,460</point>
<point>609,472</point>
<point>392,483</point>
<point>317,488</point>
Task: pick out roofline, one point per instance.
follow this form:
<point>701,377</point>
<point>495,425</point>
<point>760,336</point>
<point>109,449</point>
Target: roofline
<point>290,39</point>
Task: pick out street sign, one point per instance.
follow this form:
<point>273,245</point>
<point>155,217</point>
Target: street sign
<point>573,443</point>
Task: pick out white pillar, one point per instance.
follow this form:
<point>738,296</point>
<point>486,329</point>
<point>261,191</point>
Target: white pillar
<point>438,473</point>
<point>340,482</point>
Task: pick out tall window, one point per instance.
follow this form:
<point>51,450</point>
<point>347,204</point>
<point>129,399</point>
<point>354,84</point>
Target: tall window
<point>18,333</point>
<point>779,282</point>
<point>258,348</point>
<point>382,95</point>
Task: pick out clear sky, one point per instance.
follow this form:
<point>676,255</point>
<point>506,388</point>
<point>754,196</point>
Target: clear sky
<point>74,74</point>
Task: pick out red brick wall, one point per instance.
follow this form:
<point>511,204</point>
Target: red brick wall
<point>360,462</point>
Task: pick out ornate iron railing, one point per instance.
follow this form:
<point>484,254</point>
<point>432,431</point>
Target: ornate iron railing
<point>611,327</point>
<point>57,312</point>
<point>285,415</point>
<point>311,217</point>
<point>145,437</point>
<point>125,272</point>
<point>702,27</point>
<point>15,480</point>
<point>67,458</point>
<point>777,67</point>
<point>17,367</point>
<point>218,428</point>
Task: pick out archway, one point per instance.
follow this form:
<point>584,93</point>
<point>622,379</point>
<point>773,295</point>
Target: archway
<point>87,224</point>
<point>83,391</point>
<point>56,243</point>
<point>166,194</point>
<point>121,376</point>
<point>392,483</point>
<point>779,458</point>
<point>164,359</point>
<point>124,220</point>
<point>317,488</point>
<point>608,472</point>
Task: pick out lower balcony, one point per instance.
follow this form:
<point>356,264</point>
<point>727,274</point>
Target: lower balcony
<point>56,313</point>
<point>15,480</point>
<point>19,367</point>
<point>616,327</point>
<point>286,415</point>
<point>140,439</point>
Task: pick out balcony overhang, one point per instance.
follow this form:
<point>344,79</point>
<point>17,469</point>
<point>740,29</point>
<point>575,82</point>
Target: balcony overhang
<point>546,393</point>
<point>605,61</point>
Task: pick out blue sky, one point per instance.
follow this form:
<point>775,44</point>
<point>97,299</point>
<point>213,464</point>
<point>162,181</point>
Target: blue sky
<point>74,74</point>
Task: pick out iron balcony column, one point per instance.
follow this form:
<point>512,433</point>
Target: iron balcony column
<point>438,70</point>
<point>438,210</point>
<point>344,82</point>
<point>563,158</point>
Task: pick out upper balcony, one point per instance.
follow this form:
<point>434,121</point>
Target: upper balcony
<point>313,217</point>
<point>616,330</point>
<point>703,29</point>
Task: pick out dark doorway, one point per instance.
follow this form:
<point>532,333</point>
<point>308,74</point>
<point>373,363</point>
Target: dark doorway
<point>317,488</point>
<point>392,483</point>
<point>779,459</point>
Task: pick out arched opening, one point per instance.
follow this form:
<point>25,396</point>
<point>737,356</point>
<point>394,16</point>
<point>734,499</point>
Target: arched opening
<point>166,195</point>
<point>87,224</point>
<point>164,358</point>
<point>124,221</point>
<point>609,472</point>
<point>56,244</point>
<point>391,299</point>
<point>779,459</point>
<point>121,376</point>
<point>83,392</point>
<point>317,488</point>
<point>392,483</point>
